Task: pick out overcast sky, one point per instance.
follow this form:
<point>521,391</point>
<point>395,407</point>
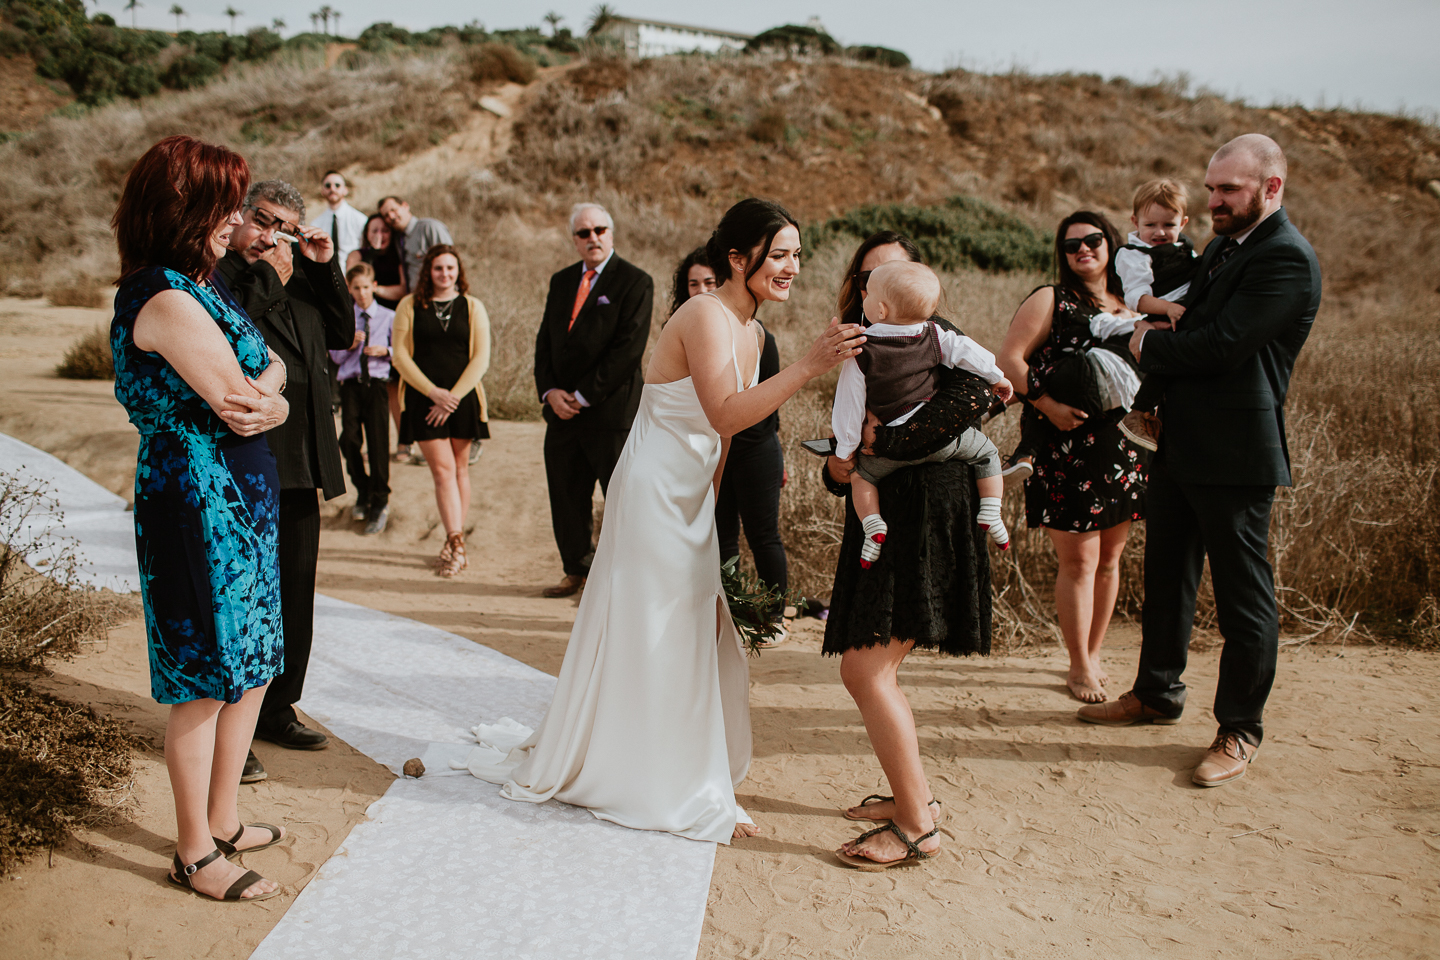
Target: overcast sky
<point>1377,54</point>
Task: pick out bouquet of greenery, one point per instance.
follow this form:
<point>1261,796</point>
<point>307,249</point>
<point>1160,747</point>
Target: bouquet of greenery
<point>751,605</point>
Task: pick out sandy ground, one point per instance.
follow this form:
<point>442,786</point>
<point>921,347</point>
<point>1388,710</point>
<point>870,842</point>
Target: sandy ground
<point>1063,840</point>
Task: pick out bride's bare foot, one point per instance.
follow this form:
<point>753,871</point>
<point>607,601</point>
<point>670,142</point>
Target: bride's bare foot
<point>885,847</point>
<point>743,830</point>
<point>881,810</point>
<point>1087,688</point>
<point>1101,677</point>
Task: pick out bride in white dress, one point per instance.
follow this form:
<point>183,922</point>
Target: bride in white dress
<point>650,725</point>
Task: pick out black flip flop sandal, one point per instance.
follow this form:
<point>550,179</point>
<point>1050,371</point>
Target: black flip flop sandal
<point>228,847</point>
<point>938,818</point>
<point>232,895</point>
<point>909,860</point>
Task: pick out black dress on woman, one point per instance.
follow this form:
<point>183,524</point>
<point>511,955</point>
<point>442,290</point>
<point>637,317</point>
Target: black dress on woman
<point>386,265</point>
<point>442,351</point>
<point>1089,478</point>
<point>931,583</point>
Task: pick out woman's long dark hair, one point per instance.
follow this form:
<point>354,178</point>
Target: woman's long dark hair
<point>1068,278</point>
<point>425,285</point>
<point>850,301</point>
<point>752,223</point>
<point>680,291</point>
<point>391,251</point>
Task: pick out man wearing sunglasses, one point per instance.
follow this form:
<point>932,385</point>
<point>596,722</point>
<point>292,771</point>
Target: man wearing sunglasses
<point>344,223</point>
<point>416,235</point>
<point>287,278</point>
<point>587,375</point>
<point>1221,454</point>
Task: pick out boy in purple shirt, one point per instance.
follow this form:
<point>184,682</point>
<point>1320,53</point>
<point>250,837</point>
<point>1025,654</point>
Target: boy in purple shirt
<point>365,401</point>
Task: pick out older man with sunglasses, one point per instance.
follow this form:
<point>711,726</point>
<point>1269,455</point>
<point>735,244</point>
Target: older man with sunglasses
<point>287,278</point>
<point>587,375</point>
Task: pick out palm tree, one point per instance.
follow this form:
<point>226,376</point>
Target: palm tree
<point>277,25</point>
<point>553,19</point>
<point>131,5</point>
<point>600,18</point>
<point>177,12</point>
<point>336,15</point>
<point>232,13</point>
<point>325,13</point>
<point>314,23</point>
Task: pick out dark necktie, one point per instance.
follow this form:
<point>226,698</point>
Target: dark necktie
<point>1227,248</point>
<point>335,230</point>
<point>364,360</point>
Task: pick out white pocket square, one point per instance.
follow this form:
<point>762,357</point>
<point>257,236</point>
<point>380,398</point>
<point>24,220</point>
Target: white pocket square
<point>602,300</point>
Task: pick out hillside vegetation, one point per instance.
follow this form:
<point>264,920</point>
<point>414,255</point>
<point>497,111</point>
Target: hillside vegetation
<point>668,144</point>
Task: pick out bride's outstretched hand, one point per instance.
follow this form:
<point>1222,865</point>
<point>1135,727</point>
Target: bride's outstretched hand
<point>838,343</point>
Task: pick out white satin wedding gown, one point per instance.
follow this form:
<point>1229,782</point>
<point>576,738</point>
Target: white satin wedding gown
<point>650,725</point>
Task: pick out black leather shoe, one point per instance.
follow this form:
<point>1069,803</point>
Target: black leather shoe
<point>295,736</point>
<point>254,770</point>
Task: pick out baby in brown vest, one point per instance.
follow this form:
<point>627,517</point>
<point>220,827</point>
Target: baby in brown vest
<point>894,375</point>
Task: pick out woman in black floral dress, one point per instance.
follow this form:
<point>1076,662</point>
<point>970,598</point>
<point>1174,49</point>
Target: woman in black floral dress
<point>1089,481</point>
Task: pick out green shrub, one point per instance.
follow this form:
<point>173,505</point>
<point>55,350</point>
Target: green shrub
<point>795,40</point>
<point>883,56</point>
<point>97,60</point>
<point>962,231</point>
<point>190,71</point>
<point>383,36</point>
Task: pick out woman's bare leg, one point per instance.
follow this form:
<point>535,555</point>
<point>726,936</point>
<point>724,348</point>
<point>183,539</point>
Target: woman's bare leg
<point>1107,588</point>
<point>1079,557</point>
<point>871,676</point>
<point>393,389</point>
<point>234,729</point>
<point>460,453</point>
<point>190,752</point>
<point>440,457</point>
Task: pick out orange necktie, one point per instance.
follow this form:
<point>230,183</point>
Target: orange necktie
<point>580,295</point>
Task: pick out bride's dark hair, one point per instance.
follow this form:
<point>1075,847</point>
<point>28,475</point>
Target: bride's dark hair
<point>749,224</point>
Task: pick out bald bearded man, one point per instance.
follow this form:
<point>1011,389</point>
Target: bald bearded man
<point>1221,454</point>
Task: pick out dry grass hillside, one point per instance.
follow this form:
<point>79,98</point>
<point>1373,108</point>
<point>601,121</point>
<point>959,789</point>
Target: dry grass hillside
<point>668,144</point>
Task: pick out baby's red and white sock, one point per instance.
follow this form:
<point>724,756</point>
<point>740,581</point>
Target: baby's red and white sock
<point>875,530</point>
<point>990,522</point>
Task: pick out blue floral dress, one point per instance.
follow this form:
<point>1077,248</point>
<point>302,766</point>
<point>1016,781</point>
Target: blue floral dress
<point>1089,478</point>
<point>206,507</point>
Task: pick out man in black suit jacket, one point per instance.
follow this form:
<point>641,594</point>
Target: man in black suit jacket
<point>587,373</point>
<point>301,313</point>
<point>1222,452</point>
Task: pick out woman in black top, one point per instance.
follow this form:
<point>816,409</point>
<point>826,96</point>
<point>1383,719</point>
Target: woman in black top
<point>930,588</point>
<point>441,347</point>
<point>755,466</point>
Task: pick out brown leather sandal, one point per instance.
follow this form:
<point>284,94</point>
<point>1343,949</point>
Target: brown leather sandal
<point>909,860</point>
<point>938,817</point>
<point>452,556</point>
<point>228,847</point>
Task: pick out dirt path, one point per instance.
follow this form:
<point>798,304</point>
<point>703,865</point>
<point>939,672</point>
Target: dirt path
<point>1064,840</point>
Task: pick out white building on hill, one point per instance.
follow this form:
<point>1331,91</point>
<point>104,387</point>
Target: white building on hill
<point>643,39</point>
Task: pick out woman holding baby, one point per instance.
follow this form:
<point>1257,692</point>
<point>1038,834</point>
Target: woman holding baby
<point>1089,481</point>
<point>928,588</point>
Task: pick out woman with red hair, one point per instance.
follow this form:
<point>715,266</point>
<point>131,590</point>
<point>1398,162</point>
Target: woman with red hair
<point>198,381</point>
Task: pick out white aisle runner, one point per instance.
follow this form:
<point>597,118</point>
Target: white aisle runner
<point>443,867</point>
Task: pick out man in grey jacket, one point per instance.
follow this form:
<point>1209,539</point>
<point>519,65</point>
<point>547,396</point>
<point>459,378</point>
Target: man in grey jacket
<point>1221,454</point>
<point>416,235</point>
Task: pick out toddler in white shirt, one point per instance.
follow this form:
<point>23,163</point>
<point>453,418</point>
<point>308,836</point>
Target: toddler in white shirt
<point>894,376</point>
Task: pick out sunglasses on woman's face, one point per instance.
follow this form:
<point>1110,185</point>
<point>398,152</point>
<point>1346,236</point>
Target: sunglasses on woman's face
<point>584,234</point>
<point>862,279</point>
<point>1091,240</point>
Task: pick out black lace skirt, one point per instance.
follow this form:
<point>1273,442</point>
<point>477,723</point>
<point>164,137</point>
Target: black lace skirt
<point>932,581</point>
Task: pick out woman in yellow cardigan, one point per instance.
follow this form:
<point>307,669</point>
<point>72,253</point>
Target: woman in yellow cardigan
<point>442,336</point>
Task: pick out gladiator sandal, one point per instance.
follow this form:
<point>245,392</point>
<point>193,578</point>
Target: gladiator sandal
<point>452,556</point>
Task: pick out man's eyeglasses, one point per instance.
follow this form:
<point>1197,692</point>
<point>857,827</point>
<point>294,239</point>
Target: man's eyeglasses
<point>267,221</point>
<point>1091,240</point>
<point>584,233</point>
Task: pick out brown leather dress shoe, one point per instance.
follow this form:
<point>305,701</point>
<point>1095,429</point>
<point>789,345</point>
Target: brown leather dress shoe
<point>1123,712</point>
<point>1228,758</point>
<point>565,588</point>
